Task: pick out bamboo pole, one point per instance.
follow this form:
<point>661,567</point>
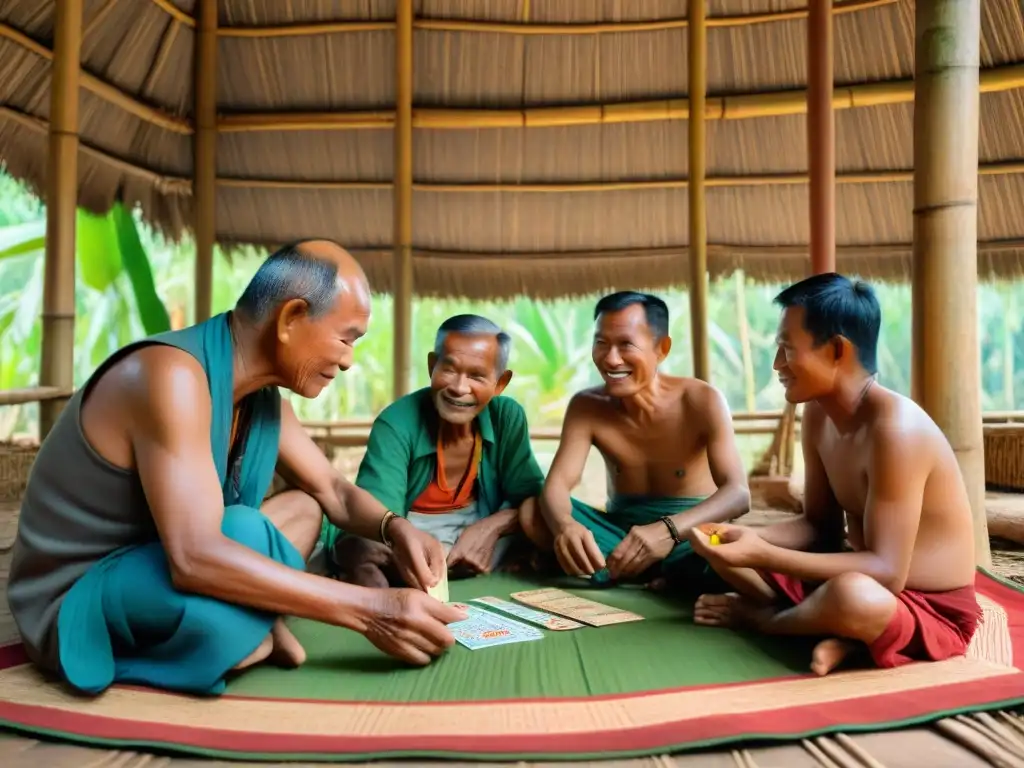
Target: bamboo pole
<point>821,137</point>
<point>180,185</point>
<point>512,28</point>
<point>731,107</point>
<point>698,237</point>
<point>57,364</point>
<point>402,244</point>
<point>204,203</point>
<point>749,388</point>
<point>946,367</point>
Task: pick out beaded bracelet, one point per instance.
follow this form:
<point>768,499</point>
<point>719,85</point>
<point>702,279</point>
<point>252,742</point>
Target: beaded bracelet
<point>672,529</point>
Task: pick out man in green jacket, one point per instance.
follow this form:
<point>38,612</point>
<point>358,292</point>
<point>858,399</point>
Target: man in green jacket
<point>453,458</point>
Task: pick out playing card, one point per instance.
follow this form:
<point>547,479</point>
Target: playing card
<point>541,619</point>
<point>484,629</point>
<point>565,604</point>
<point>440,590</point>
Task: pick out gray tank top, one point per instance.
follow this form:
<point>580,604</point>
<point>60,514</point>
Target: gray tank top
<point>77,509</point>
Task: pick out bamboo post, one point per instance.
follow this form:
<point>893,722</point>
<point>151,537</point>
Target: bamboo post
<point>204,149</point>
<point>946,359</point>
<point>698,238</point>
<point>57,364</point>
<point>403,199</point>
<point>821,137</point>
<point>749,387</point>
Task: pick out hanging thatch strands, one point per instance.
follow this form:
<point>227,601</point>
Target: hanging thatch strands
<point>510,28</point>
<point>731,107</point>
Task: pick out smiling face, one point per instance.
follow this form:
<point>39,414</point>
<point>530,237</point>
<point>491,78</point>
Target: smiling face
<point>313,350</point>
<point>625,351</point>
<point>806,370</point>
<point>464,378</point>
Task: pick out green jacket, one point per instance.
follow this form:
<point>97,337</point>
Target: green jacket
<point>401,455</point>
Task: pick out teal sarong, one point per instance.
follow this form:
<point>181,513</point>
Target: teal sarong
<point>124,621</point>
<point>683,566</point>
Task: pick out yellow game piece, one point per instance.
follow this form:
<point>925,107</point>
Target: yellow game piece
<point>715,541</point>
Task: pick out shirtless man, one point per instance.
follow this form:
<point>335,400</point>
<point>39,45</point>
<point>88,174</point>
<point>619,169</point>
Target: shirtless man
<point>453,458</point>
<point>145,551</point>
<point>668,446</point>
<point>905,589</point>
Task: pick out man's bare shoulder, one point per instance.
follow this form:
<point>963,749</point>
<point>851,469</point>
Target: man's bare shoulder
<point>898,422</point>
<point>152,379</point>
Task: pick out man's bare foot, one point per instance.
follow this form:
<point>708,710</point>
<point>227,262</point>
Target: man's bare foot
<point>286,651</point>
<point>731,610</point>
<point>260,654</point>
<point>829,654</point>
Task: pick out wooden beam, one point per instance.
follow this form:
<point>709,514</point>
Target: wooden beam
<point>402,284</point>
<point>946,374</point>
<point>729,107</point>
<point>57,364</point>
<point>697,51</point>
<point>821,137</point>
<point>204,153</point>
<point>512,28</point>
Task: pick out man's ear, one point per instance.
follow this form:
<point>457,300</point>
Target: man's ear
<point>431,362</point>
<point>842,348</point>
<point>503,381</point>
<point>291,312</point>
<point>663,347</point>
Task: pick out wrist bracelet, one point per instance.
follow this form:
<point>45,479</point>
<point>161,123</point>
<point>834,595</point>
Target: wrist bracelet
<point>388,517</point>
<point>672,529</point>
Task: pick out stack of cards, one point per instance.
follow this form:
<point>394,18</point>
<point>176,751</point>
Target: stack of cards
<point>484,629</point>
<point>565,604</point>
<point>541,619</point>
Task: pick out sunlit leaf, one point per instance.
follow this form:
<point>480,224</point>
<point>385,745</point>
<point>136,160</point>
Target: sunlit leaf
<point>22,239</point>
<point>99,256</point>
<point>152,311</point>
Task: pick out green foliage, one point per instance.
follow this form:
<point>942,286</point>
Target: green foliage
<point>130,277</point>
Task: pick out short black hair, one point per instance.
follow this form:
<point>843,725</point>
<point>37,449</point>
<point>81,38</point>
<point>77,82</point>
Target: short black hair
<point>834,306</point>
<point>290,273</point>
<point>475,325</point>
<point>655,309</point>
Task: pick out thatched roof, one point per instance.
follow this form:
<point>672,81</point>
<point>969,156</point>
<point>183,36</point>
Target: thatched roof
<point>512,190</point>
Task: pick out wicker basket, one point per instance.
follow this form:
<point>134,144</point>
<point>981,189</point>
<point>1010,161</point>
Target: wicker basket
<point>15,463</point>
<point>1004,457</point>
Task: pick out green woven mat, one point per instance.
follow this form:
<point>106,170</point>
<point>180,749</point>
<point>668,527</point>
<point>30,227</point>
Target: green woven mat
<point>665,650</point>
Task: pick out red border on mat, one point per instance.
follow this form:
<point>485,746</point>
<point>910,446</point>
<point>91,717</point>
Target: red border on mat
<point>778,722</point>
<point>864,711</point>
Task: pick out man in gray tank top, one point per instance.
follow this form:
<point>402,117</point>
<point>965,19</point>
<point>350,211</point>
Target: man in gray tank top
<point>146,553</point>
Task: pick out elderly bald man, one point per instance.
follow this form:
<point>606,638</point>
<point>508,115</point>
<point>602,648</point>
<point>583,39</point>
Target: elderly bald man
<point>145,551</point>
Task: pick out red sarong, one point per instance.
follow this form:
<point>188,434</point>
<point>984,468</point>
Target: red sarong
<point>927,626</point>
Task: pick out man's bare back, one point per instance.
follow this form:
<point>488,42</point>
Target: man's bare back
<point>664,455</point>
<point>939,561</point>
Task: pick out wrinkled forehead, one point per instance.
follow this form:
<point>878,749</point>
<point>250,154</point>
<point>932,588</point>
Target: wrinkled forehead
<point>470,349</point>
<point>624,323</point>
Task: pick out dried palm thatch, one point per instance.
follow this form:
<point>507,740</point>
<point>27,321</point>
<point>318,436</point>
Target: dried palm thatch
<point>548,136</point>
